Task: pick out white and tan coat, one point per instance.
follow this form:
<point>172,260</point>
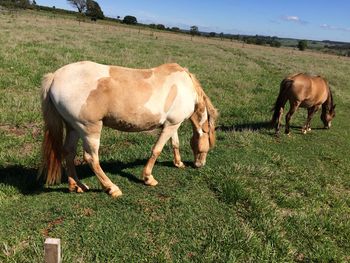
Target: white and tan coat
<point>86,95</point>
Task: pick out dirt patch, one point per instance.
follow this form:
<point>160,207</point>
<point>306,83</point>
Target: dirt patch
<point>51,225</point>
<point>21,130</point>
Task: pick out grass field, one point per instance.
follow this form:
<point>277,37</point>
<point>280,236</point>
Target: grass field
<point>258,199</point>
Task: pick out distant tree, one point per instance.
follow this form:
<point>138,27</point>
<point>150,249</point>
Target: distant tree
<point>175,29</point>
<point>79,4</point>
<point>33,2</point>
<point>212,34</point>
<point>130,20</point>
<point>275,43</point>
<point>194,30</point>
<point>160,27</point>
<point>16,3</point>
<point>93,10</point>
<point>221,35</point>
<point>302,45</point>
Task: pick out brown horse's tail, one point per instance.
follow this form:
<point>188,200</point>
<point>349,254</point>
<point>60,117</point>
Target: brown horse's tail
<point>285,85</point>
<point>52,147</point>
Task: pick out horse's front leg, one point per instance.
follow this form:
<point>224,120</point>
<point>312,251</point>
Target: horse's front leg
<point>310,113</point>
<point>176,149</point>
<point>167,132</point>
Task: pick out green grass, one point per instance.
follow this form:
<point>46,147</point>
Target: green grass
<point>258,199</point>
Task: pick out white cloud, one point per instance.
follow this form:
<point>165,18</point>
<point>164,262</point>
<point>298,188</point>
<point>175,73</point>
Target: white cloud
<point>330,27</point>
<point>294,19</point>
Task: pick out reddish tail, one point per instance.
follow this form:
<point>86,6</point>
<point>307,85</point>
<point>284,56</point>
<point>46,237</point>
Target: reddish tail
<point>52,147</point>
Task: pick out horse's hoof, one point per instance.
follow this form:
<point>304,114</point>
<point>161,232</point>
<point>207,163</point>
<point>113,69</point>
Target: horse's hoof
<point>303,131</point>
<point>149,180</point>
<point>308,129</point>
<point>78,188</point>
<point>114,191</point>
<point>180,165</point>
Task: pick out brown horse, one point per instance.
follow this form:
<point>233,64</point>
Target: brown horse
<point>304,91</point>
<point>82,97</point>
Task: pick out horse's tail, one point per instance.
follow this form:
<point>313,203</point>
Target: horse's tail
<point>281,100</point>
<point>212,111</point>
<point>52,148</point>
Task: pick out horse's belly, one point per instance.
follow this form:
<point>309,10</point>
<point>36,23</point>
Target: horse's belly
<point>135,123</point>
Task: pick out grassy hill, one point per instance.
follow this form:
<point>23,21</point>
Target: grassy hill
<point>258,199</point>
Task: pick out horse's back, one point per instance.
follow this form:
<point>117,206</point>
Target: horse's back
<point>309,90</point>
<point>123,98</point>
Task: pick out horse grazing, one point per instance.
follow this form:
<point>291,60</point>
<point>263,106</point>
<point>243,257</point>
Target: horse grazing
<point>80,98</point>
<point>304,91</point>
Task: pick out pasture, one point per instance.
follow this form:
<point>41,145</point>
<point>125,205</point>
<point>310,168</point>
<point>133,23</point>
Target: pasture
<point>258,199</point>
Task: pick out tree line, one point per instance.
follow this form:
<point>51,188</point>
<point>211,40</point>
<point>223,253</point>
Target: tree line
<point>91,8</point>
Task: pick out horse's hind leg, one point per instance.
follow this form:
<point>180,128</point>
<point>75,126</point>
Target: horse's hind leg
<point>91,144</point>
<point>293,107</point>
<point>278,125</point>
<point>175,143</point>
<point>70,150</point>
<point>166,133</point>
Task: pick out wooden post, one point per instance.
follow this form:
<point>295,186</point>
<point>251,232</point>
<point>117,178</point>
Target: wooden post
<point>52,250</point>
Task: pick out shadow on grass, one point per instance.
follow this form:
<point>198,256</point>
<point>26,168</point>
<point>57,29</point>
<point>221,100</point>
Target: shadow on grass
<point>25,179</point>
<point>253,126</point>
<point>296,127</point>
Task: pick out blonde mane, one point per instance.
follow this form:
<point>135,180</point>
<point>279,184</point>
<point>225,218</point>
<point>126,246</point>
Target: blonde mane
<point>203,99</point>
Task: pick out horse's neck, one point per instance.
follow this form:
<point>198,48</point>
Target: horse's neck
<point>200,116</point>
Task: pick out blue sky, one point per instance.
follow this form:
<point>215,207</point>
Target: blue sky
<point>306,19</point>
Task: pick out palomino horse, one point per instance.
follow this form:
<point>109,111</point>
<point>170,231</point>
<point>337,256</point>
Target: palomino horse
<point>83,96</point>
<point>304,91</point>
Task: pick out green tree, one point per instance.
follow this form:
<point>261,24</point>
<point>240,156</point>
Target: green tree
<point>16,3</point>
<point>194,30</point>
<point>212,34</point>
<point>302,45</point>
<point>160,27</point>
<point>94,10</point>
<point>275,43</point>
<point>79,4</point>
<point>130,20</point>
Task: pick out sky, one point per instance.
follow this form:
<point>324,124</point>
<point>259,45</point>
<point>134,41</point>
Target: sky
<point>302,19</point>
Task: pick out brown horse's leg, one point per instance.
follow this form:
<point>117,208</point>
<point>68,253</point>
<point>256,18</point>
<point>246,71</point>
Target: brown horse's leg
<point>177,158</point>
<point>310,113</point>
<point>293,107</point>
<point>70,149</point>
<point>166,133</point>
<point>91,144</point>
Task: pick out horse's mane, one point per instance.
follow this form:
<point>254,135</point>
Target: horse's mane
<point>212,111</point>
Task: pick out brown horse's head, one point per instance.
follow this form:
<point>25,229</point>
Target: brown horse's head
<point>203,139</point>
<point>327,116</point>
<point>328,110</point>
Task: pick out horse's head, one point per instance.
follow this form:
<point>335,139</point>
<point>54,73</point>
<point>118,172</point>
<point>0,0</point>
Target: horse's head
<point>327,116</point>
<point>203,139</point>
<point>328,110</point>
